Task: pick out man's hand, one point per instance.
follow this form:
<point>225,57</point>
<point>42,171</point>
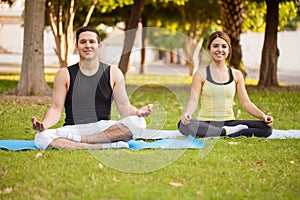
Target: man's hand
<point>145,111</point>
<point>37,125</point>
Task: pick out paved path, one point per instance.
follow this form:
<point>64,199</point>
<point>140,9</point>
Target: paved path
<point>287,77</point>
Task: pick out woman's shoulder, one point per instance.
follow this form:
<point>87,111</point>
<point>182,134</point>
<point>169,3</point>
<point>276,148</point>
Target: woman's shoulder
<point>202,71</point>
<point>237,74</point>
<point>201,74</point>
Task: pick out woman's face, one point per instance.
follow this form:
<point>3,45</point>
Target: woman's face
<point>219,49</point>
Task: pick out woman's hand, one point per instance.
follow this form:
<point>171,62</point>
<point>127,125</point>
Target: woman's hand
<point>186,118</point>
<point>269,120</point>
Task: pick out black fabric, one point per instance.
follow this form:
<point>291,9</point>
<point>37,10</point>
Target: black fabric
<point>210,79</point>
<point>202,129</point>
<point>89,98</point>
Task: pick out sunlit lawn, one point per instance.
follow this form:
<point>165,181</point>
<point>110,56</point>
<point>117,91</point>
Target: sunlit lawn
<point>241,168</point>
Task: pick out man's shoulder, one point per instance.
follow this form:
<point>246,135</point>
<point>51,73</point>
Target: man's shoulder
<point>104,65</point>
<point>76,65</point>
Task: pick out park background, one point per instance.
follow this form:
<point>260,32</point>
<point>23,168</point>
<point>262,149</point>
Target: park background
<point>235,168</point>
<point>251,42</point>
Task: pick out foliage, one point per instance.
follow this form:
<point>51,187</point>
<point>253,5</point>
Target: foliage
<point>255,14</point>
<point>294,23</point>
<point>241,168</point>
<point>165,39</point>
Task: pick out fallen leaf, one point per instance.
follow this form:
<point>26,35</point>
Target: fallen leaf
<point>238,112</point>
<point>176,184</point>
<point>233,143</point>
<point>39,154</point>
<point>116,180</point>
<point>6,190</point>
<point>100,166</point>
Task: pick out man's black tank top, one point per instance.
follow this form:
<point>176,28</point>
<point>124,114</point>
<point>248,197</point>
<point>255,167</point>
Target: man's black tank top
<point>89,98</point>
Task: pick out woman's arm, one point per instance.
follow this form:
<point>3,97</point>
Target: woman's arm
<point>245,101</point>
<point>192,104</point>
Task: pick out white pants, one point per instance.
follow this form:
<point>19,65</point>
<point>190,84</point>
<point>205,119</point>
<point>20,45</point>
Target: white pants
<point>137,126</point>
<point>74,132</point>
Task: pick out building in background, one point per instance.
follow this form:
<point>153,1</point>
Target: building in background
<point>11,44</point>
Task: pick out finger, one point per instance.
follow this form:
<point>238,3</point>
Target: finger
<point>33,120</point>
<point>42,127</point>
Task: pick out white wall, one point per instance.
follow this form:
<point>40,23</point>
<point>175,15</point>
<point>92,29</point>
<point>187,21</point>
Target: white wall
<point>288,44</point>
<point>11,38</point>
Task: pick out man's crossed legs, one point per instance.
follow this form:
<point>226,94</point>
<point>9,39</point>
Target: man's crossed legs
<point>100,135</point>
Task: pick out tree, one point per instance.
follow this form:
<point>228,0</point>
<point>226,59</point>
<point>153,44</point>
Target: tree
<point>255,16</point>
<point>32,80</point>
<point>197,19</point>
<point>62,25</point>
<point>135,16</point>
<point>232,23</point>
<point>190,18</point>
<point>270,51</point>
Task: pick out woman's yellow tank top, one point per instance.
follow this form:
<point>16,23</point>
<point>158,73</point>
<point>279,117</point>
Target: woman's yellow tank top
<point>217,99</point>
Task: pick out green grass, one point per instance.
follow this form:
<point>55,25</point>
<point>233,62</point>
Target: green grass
<point>240,168</point>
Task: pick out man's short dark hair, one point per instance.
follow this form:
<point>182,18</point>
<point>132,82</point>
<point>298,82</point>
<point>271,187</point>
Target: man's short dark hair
<point>84,29</point>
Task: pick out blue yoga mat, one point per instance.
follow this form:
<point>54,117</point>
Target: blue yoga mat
<point>190,143</point>
<point>16,145</point>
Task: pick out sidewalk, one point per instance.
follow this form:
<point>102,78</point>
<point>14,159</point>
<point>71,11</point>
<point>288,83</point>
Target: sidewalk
<point>286,77</point>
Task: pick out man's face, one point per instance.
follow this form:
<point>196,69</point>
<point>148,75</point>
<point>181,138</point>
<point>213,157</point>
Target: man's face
<point>88,45</point>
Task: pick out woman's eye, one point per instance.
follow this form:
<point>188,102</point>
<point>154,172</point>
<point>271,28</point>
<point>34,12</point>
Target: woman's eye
<point>224,46</point>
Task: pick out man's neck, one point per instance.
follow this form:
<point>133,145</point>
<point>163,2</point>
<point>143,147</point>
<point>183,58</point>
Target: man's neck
<point>88,67</point>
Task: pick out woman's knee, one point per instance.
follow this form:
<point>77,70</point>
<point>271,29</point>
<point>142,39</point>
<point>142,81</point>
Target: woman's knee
<point>268,132</point>
<point>185,129</point>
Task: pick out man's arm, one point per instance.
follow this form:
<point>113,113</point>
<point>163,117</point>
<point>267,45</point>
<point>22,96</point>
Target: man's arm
<point>53,115</point>
<point>120,96</point>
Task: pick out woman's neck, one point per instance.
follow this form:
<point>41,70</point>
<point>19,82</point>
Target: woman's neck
<point>219,65</point>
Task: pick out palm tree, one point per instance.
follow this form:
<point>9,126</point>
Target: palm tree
<point>232,21</point>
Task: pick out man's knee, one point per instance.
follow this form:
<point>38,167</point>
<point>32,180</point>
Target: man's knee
<point>134,123</point>
<point>43,139</point>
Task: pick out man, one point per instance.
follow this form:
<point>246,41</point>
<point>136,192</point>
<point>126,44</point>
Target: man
<point>86,91</point>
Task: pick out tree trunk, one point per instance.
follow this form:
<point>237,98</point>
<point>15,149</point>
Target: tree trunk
<point>143,69</point>
<point>270,52</point>
<point>62,27</point>
<point>32,80</point>
<point>130,34</point>
<point>232,21</point>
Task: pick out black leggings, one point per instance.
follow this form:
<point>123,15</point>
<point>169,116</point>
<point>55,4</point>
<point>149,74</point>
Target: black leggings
<point>202,129</point>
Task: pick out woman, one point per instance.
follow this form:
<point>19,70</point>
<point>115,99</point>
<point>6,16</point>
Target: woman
<point>217,85</point>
